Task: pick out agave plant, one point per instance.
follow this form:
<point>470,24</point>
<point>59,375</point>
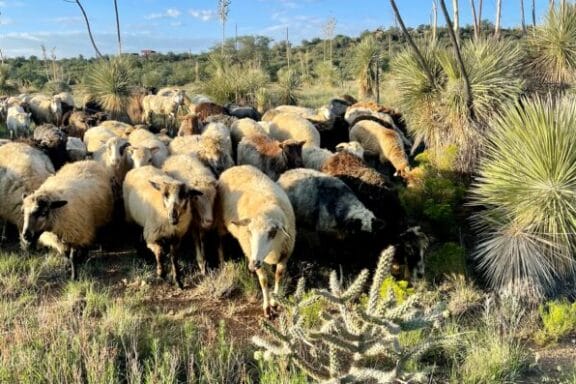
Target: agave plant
<point>527,188</point>
<point>553,46</point>
<point>288,84</point>
<point>365,55</point>
<point>109,83</point>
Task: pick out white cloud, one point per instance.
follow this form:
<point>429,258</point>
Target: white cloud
<point>6,21</point>
<point>170,12</point>
<point>202,14</point>
<point>173,12</point>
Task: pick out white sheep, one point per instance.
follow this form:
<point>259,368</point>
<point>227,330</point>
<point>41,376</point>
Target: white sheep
<point>191,171</point>
<point>166,106</point>
<point>46,109</point>
<point>72,205</point>
<point>141,138</point>
<point>221,133</point>
<point>17,121</point>
<point>113,155</point>
<point>386,143</point>
<point>242,128</point>
<point>22,170</point>
<point>159,204</point>
<point>258,213</point>
<point>290,126</point>
<point>315,157</point>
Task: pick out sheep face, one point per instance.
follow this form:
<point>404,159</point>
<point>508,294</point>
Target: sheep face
<point>141,156</point>
<point>115,151</point>
<point>204,205</point>
<point>189,125</point>
<point>38,214</point>
<point>359,219</point>
<point>175,198</point>
<point>56,106</point>
<point>265,236</point>
<point>292,152</point>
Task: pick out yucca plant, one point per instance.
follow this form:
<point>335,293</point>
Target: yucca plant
<point>363,62</point>
<point>416,96</point>
<point>552,46</point>
<point>288,85</point>
<point>7,85</point>
<point>527,187</point>
<point>109,83</point>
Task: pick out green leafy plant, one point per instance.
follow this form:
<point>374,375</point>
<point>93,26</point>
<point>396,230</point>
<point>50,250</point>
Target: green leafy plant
<point>353,335</point>
<point>558,320</point>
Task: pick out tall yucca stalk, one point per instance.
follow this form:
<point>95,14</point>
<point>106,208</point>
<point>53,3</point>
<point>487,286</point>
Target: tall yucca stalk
<point>109,84</point>
<point>553,46</point>
<point>527,188</point>
<point>363,62</point>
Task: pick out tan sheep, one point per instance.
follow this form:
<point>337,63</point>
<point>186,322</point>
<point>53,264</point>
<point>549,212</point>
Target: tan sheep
<point>141,138</point>
<point>352,147</point>
<point>119,128</point>
<point>244,127</point>
<point>209,149</point>
<point>286,126</point>
<point>95,137</point>
<point>22,170</point>
<point>166,106</point>
<point>72,204</point>
<point>258,213</point>
<point>46,109</point>
<point>191,171</point>
<point>114,157</point>
<point>160,205</point>
<point>384,142</point>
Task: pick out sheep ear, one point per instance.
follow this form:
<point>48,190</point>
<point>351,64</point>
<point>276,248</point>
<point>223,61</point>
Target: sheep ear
<point>193,192</point>
<point>301,143</point>
<point>154,149</point>
<point>241,223</point>
<point>155,185</point>
<point>339,147</point>
<point>25,195</point>
<point>285,232</point>
<point>57,204</point>
<point>281,145</point>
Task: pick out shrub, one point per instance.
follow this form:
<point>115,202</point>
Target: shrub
<point>558,320</point>
<point>446,259</point>
<point>526,187</point>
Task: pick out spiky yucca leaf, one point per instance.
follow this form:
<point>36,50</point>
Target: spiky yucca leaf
<point>288,84</point>
<point>527,185</point>
<point>109,83</point>
<point>493,68</point>
<point>415,96</point>
<point>553,46</point>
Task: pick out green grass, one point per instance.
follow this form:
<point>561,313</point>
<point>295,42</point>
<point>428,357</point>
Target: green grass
<point>558,320</point>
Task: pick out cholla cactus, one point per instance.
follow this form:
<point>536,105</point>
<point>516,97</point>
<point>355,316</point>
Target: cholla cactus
<point>357,340</point>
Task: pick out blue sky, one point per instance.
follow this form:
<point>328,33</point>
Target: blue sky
<point>183,26</point>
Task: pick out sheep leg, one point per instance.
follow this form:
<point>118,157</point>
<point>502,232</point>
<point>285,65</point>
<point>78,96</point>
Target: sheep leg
<point>199,245</point>
<point>263,279</point>
<point>71,256</point>
<point>280,269</point>
<point>157,251</point>
<point>174,265</point>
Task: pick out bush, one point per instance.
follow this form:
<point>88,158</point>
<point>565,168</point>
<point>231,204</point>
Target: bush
<point>558,320</point>
<point>446,259</point>
<point>525,189</point>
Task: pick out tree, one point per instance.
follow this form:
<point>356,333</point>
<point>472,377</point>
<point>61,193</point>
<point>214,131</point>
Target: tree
<point>98,53</point>
<point>522,17</point>
<point>223,9</point>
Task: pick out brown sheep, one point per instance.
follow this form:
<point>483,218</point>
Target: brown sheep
<point>190,125</point>
<point>270,156</point>
<point>204,110</point>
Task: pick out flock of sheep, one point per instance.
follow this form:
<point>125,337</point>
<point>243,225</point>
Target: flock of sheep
<point>262,179</point>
